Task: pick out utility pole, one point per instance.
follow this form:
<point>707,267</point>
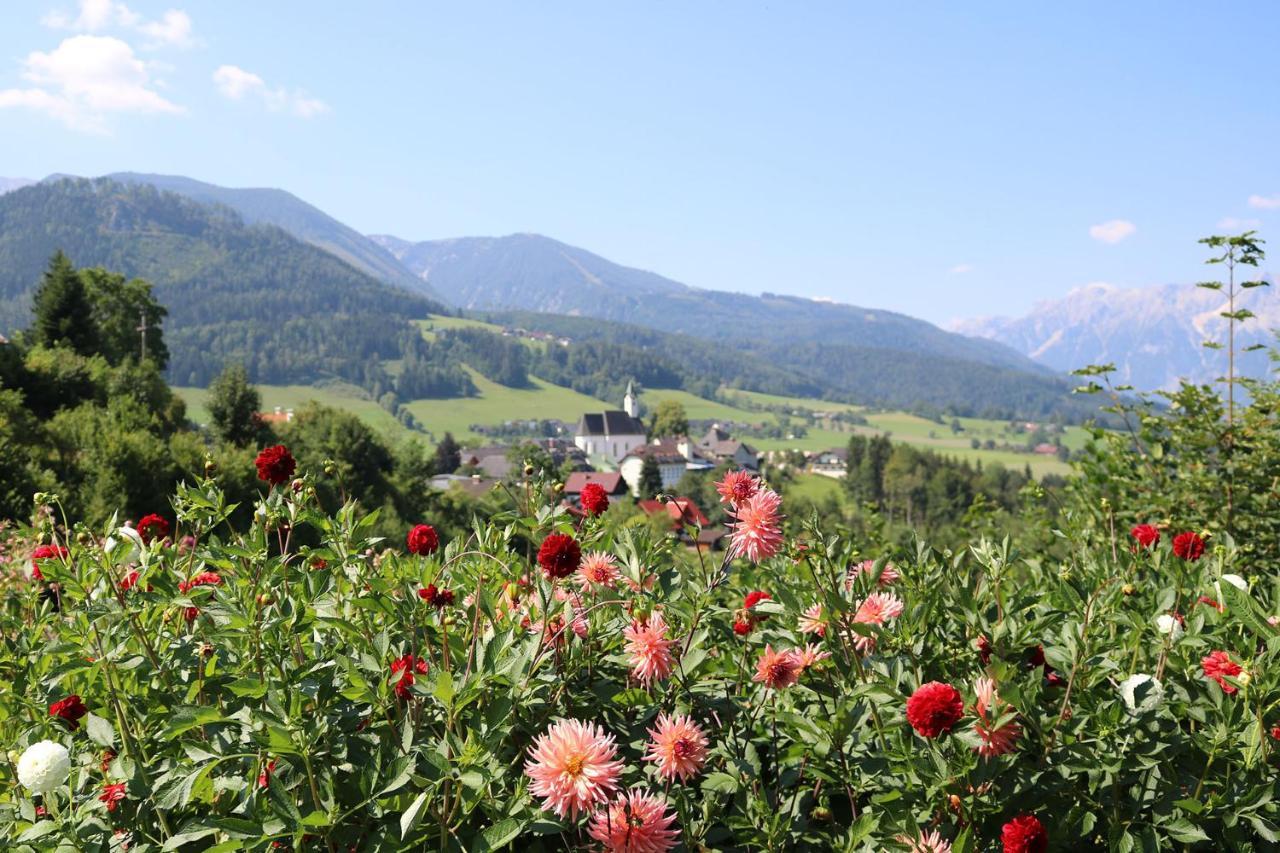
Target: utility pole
<point>142,327</point>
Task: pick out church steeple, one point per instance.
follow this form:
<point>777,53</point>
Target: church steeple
<point>629,403</point>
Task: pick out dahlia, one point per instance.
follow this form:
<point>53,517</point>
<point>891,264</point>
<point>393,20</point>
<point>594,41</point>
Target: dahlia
<point>757,533</point>
<point>876,609</point>
<point>152,528</point>
<point>737,487</point>
<point>741,627</point>
<point>926,842</point>
<point>1169,625</point>
<point>112,795</point>
<point>202,579</point>
<point>1145,535</point>
<point>69,710</point>
<point>888,574</point>
<point>678,747</point>
<point>776,670</point>
<point>809,655</point>
<point>635,822</point>
<point>593,499</point>
<point>934,709</point>
<point>436,597</point>
<point>1141,693</point>
<point>405,667</point>
<point>422,540</point>
<point>1024,834</point>
<point>649,648</point>
<point>129,580</point>
<point>574,767</point>
<point>599,569</point>
<point>45,552</point>
<point>44,766</point>
<point>275,465</point>
<point>559,556</point>
<point>1218,666</point>
<point>811,621</point>
<point>995,739</point>
<point>983,645</point>
<point>1189,546</point>
<point>754,598</point>
<point>264,777</point>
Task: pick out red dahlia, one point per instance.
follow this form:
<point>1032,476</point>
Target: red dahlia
<point>1218,666</point>
<point>593,499</point>
<point>436,597</point>
<point>754,598</point>
<point>1145,535</point>
<point>1189,546</point>
<point>112,795</point>
<point>264,777</point>
<point>152,527</point>
<point>1024,834</point>
<point>934,708</point>
<point>422,540</point>
<point>275,465</point>
<point>45,552</point>
<point>69,710</point>
<point>741,628</point>
<point>202,579</point>
<point>559,556</point>
<point>405,667</point>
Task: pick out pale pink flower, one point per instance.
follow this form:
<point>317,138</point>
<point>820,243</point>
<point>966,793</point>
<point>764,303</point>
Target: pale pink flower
<point>926,842</point>
<point>736,487</point>
<point>810,654</point>
<point>597,569</point>
<point>811,621</point>
<point>757,533</point>
<point>574,767</point>
<point>888,574</point>
<point>678,747</point>
<point>996,739</point>
<point>776,670</point>
<point>578,622</point>
<point>649,648</point>
<point>635,822</point>
<point>876,609</point>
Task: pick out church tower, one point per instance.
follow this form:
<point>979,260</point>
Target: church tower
<point>629,404</point>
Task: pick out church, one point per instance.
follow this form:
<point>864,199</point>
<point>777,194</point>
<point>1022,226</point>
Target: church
<point>611,434</point>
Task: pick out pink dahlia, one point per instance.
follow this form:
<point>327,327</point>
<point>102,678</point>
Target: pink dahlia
<point>888,574</point>
<point>995,739</point>
<point>757,533</point>
<point>810,654</point>
<point>649,648</point>
<point>737,487</point>
<point>811,621</point>
<point>777,670</point>
<point>635,822</point>
<point>598,569</point>
<point>678,747</point>
<point>876,609</point>
<point>926,842</point>
<point>574,767</point>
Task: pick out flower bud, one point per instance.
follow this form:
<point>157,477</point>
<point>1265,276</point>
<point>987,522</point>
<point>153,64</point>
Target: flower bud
<point>528,470</point>
<point>1129,589</point>
<point>209,467</point>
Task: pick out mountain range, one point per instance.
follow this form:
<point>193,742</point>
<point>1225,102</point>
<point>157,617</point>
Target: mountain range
<point>261,276</point>
<point>1154,335</point>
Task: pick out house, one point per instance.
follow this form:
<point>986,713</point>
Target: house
<point>279,416</point>
<point>611,481</point>
<point>684,514</point>
<point>611,434</point>
<point>491,461</point>
<point>724,449</point>
<point>674,456</point>
<point>830,463</point>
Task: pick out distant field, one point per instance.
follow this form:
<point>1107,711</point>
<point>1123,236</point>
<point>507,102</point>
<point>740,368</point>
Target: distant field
<point>700,408</point>
<point>296,396</point>
<point>814,487</point>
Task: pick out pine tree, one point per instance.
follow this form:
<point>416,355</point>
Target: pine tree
<point>233,406</point>
<point>448,455</point>
<point>650,479</point>
<point>63,312</point>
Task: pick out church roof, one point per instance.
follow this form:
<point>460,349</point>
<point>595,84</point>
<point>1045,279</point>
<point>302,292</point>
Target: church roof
<point>614,422</point>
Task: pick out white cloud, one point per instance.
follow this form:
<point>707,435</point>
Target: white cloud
<point>1112,231</point>
<point>1231,223</point>
<point>172,29</point>
<point>1264,202</point>
<point>237,84</point>
<point>961,269</point>
<point>85,79</point>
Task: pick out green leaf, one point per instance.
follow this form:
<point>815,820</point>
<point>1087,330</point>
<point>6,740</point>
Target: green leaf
<point>100,731</point>
<point>176,841</point>
<point>444,687</point>
<point>722,782</point>
<point>250,687</point>
<point>500,834</point>
<point>413,814</point>
<point>183,720</point>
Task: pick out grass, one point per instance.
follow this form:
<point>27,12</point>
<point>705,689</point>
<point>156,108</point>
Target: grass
<point>295,397</point>
<point>700,408</point>
<point>814,488</point>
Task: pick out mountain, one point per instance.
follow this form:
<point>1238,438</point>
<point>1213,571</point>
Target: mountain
<point>530,272</point>
<point>289,310</point>
<point>11,184</point>
<point>287,211</point>
<point>1154,335</point>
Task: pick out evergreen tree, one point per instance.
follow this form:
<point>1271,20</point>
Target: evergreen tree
<point>448,455</point>
<point>233,407</point>
<point>63,312</point>
<point>650,479</point>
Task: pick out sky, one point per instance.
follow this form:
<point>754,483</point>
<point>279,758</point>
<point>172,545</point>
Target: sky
<point>944,160</point>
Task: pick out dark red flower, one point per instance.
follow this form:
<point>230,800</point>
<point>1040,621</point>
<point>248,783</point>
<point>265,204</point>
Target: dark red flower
<point>264,777</point>
<point>108,756</point>
<point>754,598</point>
<point>436,597</point>
<point>983,645</point>
<point>1275,732</point>
<point>112,795</point>
<point>152,527</point>
<point>1036,657</point>
<point>275,465</point>
<point>319,563</point>
<point>559,556</point>
<point>934,708</point>
<point>1145,535</point>
<point>422,540</point>
<point>1189,546</point>
<point>593,499</point>
<point>405,667</point>
<point>191,613</point>
<point>127,582</point>
<point>1024,834</point>
<point>202,579</point>
<point>69,710</point>
<point>741,628</point>
<point>1218,666</point>
<point>45,552</point>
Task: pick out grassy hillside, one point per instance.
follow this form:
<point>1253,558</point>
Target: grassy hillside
<point>347,397</point>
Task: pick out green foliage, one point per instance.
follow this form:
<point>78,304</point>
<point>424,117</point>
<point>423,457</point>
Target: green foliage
<point>669,419</point>
<point>448,455</point>
<point>650,485</point>
<point>120,309</point>
<point>233,407</point>
<point>63,313</point>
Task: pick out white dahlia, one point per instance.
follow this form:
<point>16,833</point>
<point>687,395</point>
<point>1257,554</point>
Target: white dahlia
<point>44,766</point>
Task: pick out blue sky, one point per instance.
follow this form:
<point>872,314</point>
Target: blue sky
<point>939,159</point>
